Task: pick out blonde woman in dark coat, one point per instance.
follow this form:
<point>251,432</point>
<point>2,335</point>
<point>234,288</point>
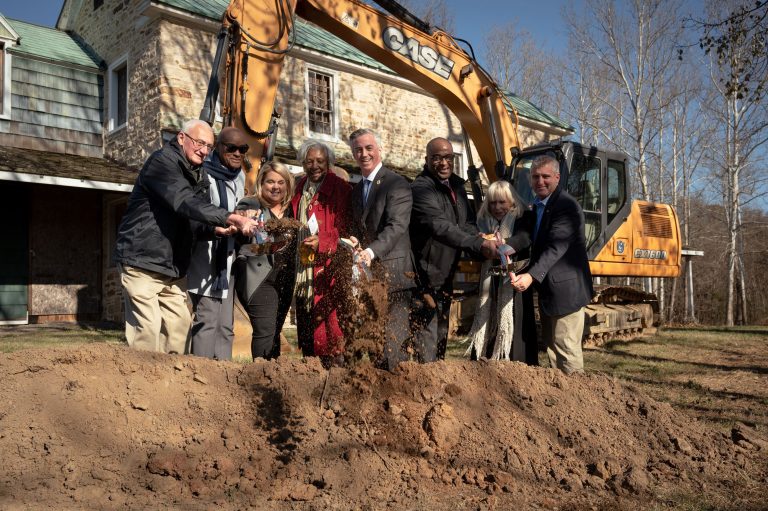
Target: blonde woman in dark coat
<point>264,283</point>
<point>497,330</point>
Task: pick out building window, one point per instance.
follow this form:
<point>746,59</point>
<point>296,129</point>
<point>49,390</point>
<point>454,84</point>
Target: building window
<point>321,104</point>
<point>118,94</point>
<point>97,4</point>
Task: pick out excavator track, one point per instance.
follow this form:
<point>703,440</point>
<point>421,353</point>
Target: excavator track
<point>620,313</point>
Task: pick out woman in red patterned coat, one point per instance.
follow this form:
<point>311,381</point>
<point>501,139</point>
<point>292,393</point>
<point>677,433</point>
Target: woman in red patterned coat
<point>321,204</point>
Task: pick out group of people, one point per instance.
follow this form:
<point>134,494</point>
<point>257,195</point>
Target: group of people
<point>188,216</point>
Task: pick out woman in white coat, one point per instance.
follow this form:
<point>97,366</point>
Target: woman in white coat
<point>497,330</point>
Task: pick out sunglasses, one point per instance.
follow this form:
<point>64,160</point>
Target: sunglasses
<point>231,148</point>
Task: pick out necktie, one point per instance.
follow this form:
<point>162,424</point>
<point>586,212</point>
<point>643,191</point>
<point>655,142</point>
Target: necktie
<point>366,189</point>
<point>453,194</point>
<point>539,213</point>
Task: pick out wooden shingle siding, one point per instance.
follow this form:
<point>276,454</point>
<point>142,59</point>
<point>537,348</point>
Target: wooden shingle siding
<point>20,62</point>
<point>55,108</point>
<point>55,146</point>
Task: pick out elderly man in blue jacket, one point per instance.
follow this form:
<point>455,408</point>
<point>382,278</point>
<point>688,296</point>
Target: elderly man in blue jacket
<point>154,241</point>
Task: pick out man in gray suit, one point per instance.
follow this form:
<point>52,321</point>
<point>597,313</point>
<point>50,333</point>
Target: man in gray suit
<point>381,211</point>
<point>559,267</point>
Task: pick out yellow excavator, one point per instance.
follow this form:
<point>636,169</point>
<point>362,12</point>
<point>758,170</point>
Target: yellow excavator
<point>625,238</point>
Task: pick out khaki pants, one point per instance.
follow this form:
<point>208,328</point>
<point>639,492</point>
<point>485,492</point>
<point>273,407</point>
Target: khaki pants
<point>563,337</point>
<point>156,314</point>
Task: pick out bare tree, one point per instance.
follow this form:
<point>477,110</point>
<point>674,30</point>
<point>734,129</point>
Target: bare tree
<point>434,12</point>
<point>743,132</point>
<point>518,63</point>
<point>635,45</point>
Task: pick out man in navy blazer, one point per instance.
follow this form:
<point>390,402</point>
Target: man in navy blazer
<point>559,267</point>
<point>381,211</point>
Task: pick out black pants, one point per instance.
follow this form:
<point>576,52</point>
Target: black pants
<point>397,330</point>
<point>430,326</point>
<point>262,310</point>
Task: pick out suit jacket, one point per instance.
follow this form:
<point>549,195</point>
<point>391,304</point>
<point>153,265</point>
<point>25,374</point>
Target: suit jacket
<point>382,226</point>
<point>559,263</point>
<point>442,225</point>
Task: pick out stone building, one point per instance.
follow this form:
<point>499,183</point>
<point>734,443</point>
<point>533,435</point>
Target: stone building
<point>146,64</point>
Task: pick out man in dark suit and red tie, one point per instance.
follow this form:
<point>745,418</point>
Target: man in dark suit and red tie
<point>442,226</point>
<point>559,267</point>
<point>381,212</point>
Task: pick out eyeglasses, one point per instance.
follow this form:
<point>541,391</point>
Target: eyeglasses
<point>197,143</point>
<point>437,158</point>
<point>231,148</point>
<point>319,162</point>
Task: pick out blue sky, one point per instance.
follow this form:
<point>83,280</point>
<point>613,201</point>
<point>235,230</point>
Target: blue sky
<point>473,18</point>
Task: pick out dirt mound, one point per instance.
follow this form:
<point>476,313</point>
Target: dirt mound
<point>105,427</point>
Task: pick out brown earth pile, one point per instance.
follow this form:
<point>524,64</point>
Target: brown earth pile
<point>106,427</point>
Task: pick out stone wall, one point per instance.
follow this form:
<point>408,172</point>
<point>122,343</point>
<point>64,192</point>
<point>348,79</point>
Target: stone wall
<point>114,30</point>
<point>405,119</point>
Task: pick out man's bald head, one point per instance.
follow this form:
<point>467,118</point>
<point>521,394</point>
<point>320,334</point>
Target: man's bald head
<point>440,157</point>
<point>231,146</point>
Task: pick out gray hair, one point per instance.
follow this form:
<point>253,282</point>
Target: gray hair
<point>192,123</point>
<point>544,160</point>
<point>502,190</point>
<point>316,144</point>
<point>364,131</point>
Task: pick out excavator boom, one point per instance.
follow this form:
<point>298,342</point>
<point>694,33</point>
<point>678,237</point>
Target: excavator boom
<point>624,238</point>
<point>261,34</point>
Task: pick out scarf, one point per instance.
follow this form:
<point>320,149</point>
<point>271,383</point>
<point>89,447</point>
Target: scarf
<point>305,273</point>
<point>223,176</point>
<point>497,302</point>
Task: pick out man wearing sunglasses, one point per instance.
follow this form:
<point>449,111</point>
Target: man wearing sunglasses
<point>442,225</point>
<point>154,240</point>
<point>210,279</point>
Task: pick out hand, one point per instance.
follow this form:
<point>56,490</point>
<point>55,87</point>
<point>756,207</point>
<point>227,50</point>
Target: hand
<point>489,249</point>
<point>248,213</point>
<point>364,257</point>
<point>354,241</point>
<point>244,224</point>
<point>521,282</point>
<point>223,232</point>
<point>313,241</point>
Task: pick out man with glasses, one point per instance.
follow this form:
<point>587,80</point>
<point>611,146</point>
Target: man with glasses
<point>442,225</point>
<point>210,279</point>
<point>154,240</point>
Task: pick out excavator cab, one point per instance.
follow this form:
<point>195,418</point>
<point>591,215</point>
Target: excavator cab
<point>597,179</point>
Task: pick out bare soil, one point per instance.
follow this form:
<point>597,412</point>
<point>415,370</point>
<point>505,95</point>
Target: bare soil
<point>105,427</point>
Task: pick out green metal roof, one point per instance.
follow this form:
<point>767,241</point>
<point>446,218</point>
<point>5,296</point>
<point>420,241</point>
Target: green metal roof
<point>529,110</point>
<point>213,9</point>
<point>315,38</point>
<point>51,44</point>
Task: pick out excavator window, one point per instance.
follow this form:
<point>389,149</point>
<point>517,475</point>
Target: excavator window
<point>616,187</point>
<point>584,184</point>
<point>522,183</point>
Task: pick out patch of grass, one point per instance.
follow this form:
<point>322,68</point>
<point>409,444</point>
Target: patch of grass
<point>718,375</point>
<point>15,338</point>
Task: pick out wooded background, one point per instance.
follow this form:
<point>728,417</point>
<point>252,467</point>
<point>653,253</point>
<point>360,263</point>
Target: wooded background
<point>680,88</point>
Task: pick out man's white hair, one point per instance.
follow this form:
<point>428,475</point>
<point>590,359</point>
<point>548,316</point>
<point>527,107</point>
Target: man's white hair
<point>192,123</point>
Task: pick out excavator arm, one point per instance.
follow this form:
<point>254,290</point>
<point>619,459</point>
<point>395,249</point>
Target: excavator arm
<point>260,33</point>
